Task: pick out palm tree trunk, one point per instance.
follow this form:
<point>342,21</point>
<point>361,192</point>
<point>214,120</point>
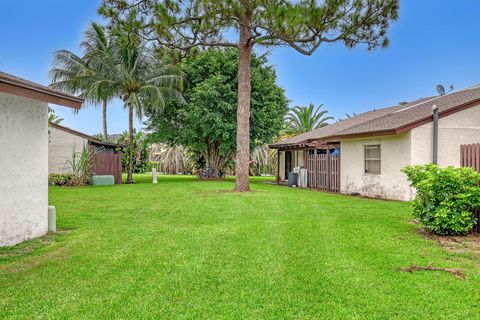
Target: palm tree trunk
<point>242,182</point>
<point>130,145</point>
<point>105,133</point>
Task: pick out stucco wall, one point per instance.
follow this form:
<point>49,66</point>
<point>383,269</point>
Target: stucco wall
<point>60,150</point>
<point>300,157</point>
<point>23,169</point>
<point>282,166</point>
<point>454,130</point>
<point>391,183</point>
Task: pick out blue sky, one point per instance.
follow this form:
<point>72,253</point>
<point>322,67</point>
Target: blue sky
<point>432,42</point>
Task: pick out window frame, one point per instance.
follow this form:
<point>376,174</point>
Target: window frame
<point>365,159</point>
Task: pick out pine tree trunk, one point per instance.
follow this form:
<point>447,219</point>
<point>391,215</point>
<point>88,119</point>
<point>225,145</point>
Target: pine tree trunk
<point>130,145</point>
<point>105,133</point>
<point>242,182</point>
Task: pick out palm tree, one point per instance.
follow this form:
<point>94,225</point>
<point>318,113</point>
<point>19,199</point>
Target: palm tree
<point>174,159</point>
<point>117,63</point>
<point>52,117</point>
<point>141,80</point>
<point>302,119</point>
<point>77,75</point>
<point>263,160</point>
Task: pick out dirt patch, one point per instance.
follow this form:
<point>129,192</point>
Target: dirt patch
<point>460,244</point>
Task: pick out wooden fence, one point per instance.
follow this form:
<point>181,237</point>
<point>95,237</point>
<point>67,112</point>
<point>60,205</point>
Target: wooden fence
<point>107,164</point>
<point>323,171</point>
<point>470,157</point>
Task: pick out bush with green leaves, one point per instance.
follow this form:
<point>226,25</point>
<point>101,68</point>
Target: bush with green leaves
<point>445,197</point>
<point>60,179</point>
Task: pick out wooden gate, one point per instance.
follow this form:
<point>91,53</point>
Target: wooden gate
<point>470,156</point>
<point>107,164</point>
<point>323,170</point>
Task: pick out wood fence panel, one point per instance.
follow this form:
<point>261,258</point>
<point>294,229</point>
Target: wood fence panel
<point>107,164</point>
<point>470,157</point>
<point>323,171</point>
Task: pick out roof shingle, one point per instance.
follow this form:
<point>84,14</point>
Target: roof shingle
<point>391,120</point>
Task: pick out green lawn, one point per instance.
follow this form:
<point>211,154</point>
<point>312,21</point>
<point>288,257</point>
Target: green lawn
<point>182,249</point>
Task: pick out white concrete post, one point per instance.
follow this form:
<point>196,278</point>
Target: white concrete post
<point>52,219</point>
<point>154,175</point>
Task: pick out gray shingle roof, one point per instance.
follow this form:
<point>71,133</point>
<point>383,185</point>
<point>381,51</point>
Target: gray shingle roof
<point>390,120</point>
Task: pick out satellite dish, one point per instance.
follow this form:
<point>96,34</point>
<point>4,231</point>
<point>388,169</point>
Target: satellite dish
<point>441,89</point>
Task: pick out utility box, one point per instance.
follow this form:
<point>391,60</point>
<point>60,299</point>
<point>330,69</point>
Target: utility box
<point>103,180</point>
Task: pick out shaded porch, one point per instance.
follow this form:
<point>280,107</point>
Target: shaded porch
<point>321,160</point>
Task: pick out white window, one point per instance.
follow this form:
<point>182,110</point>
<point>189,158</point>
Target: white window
<point>372,154</point>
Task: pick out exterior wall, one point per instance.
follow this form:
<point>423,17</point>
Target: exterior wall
<point>299,157</point>
<point>391,183</point>
<point>60,149</point>
<point>23,169</point>
<point>454,130</point>
<point>281,166</point>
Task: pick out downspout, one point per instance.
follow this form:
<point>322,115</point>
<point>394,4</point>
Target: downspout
<point>435,135</point>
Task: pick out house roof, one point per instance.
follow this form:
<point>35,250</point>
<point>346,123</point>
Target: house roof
<point>388,121</point>
<point>21,87</point>
<point>86,136</point>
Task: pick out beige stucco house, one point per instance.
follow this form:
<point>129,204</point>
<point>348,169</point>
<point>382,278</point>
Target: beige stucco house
<point>24,157</point>
<point>105,157</point>
<point>365,154</point>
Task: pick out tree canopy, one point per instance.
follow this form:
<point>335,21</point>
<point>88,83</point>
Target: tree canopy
<point>302,25</point>
<point>206,123</point>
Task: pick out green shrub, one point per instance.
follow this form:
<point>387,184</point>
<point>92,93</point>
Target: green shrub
<point>445,197</point>
<point>60,179</point>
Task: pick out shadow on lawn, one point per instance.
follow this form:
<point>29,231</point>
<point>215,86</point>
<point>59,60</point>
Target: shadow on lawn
<point>8,254</point>
<point>146,178</point>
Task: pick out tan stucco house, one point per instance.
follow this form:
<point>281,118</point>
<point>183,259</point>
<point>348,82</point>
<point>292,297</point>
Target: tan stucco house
<point>105,157</point>
<point>364,154</point>
<point>24,157</point>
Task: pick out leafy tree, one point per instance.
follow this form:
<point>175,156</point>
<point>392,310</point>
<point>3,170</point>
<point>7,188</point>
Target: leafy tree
<point>302,25</point>
<point>206,124</point>
<point>302,119</point>
<point>78,75</point>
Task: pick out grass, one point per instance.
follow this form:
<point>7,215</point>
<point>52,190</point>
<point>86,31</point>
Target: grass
<point>182,249</point>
